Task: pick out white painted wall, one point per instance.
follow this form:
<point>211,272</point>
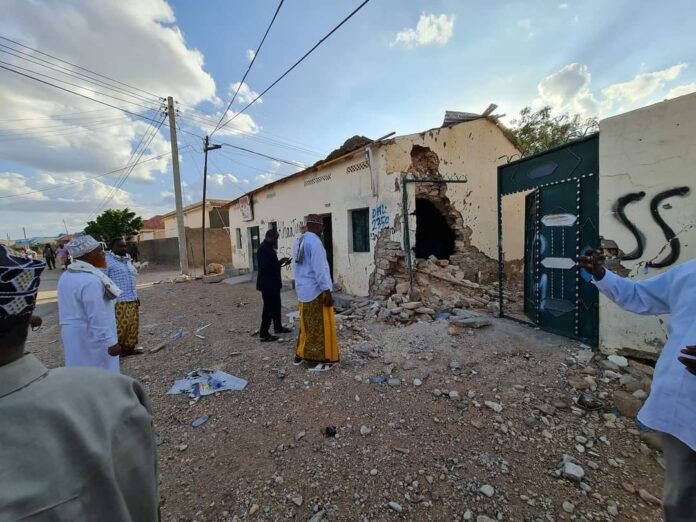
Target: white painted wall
<point>652,149</point>
<point>470,149</point>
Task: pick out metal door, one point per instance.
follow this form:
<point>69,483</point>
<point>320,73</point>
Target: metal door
<point>561,216</point>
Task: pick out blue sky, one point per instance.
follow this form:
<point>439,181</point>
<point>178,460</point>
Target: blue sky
<point>396,66</point>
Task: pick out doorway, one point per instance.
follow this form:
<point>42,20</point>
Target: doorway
<point>254,246</point>
<point>434,237</point>
<point>327,239</point>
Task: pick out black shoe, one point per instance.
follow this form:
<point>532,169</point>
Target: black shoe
<point>283,330</point>
<point>269,339</point>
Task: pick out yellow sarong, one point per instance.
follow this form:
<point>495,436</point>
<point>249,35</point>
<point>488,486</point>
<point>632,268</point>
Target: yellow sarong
<point>318,341</point>
<point>127,324</point>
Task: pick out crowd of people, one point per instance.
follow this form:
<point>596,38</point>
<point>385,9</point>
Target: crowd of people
<point>78,442</point>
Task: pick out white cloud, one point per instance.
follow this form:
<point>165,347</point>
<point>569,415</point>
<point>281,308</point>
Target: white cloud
<point>681,90</point>
<point>430,30</point>
<point>233,179</point>
<point>643,85</point>
<point>218,179</point>
<point>568,90</point>
<point>81,198</point>
<point>563,6</point>
<point>139,44</point>
<point>250,53</point>
<point>166,194</point>
<point>245,94</point>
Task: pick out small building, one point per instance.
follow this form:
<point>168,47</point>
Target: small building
<point>216,216</point>
<point>388,203</point>
<point>153,228</point>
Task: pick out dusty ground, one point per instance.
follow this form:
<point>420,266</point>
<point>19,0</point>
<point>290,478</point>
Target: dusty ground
<point>262,454</point>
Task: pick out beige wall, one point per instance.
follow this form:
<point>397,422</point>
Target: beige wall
<point>651,150</point>
<point>471,150</point>
<point>192,219</point>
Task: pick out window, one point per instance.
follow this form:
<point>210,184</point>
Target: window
<point>360,220</point>
<point>238,233</point>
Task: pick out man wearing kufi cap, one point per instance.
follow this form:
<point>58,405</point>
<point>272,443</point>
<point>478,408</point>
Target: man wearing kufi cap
<point>317,341</point>
<point>86,308</point>
<point>77,443</point>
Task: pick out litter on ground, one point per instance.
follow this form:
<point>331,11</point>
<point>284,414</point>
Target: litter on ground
<point>202,382</point>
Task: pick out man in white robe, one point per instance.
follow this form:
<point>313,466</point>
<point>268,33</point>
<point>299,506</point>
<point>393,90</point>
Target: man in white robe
<point>86,308</point>
<point>76,444</point>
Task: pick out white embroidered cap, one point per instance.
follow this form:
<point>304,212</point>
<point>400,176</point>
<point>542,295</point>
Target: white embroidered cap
<point>82,245</point>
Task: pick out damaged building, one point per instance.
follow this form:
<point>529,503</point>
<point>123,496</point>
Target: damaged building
<point>408,210</point>
<point>448,219</point>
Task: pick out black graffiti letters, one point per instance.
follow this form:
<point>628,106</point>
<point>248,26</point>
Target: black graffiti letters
<point>621,204</point>
<point>670,236</point>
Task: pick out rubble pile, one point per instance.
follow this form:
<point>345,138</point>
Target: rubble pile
<point>440,290</point>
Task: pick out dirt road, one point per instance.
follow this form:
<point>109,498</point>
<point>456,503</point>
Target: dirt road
<point>465,427</point>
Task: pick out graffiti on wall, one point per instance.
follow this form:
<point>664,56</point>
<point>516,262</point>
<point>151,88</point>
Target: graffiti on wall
<point>670,236</point>
<point>380,218</point>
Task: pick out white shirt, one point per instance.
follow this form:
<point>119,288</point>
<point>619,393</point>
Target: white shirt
<point>87,322</point>
<point>671,406</point>
<point>312,276</point>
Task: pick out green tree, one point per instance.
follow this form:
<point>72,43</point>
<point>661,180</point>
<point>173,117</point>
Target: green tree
<point>114,224</point>
<point>540,131</point>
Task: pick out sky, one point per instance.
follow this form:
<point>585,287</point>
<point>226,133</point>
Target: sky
<point>397,65</point>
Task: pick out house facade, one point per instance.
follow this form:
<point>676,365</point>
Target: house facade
<point>216,217</point>
<point>450,203</point>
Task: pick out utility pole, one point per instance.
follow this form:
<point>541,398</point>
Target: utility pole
<point>204,210</point>
<point>25,232</point>
<point>66,228</point>
<point>181,231</point>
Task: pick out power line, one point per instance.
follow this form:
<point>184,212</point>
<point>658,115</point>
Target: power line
<point>66,132</point>
<point>260,138</point>
<point>79,94</point>
<point>122,179</point>
<point>65,126</point>
<point>79,67</point>
<point>63,185</point>
<point>55,116</point>
<point>76,85</point>
<point>298,62</point>
<point>71,74</point>
<point>251,64</point>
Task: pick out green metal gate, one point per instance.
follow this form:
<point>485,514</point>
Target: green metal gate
<point>561,217</point>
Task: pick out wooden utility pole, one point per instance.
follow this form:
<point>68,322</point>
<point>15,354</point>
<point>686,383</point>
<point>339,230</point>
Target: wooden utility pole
<point>180,229</point>
<point>204,210</point>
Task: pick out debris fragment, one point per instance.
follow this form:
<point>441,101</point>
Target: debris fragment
<point>200,421</point>
<point>202,382</point>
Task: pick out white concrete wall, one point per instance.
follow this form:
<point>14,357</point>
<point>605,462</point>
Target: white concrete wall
<point>192,219</point>
<point>471,150</point>
<point>651,150</point>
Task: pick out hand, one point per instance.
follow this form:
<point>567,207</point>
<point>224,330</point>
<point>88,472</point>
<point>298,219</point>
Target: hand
<point>35,321</point>
<point>328,299</point>
<point>115,350</point>
<point>594,264</point>
<point>688,361</point>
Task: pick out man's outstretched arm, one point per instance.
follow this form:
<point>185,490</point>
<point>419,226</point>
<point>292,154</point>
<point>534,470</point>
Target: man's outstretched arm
<point>647,297</point>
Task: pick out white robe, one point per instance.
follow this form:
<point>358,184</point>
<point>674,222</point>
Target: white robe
<point>87,322</point>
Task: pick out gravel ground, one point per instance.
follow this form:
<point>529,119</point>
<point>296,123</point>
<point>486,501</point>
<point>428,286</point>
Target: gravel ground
<point>438,450</point>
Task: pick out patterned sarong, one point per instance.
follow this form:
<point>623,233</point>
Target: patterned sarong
<point>127,324</point>
<point>318,341</point>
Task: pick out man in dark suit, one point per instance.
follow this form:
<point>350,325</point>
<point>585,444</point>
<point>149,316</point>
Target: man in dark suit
<point>269,284</point>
